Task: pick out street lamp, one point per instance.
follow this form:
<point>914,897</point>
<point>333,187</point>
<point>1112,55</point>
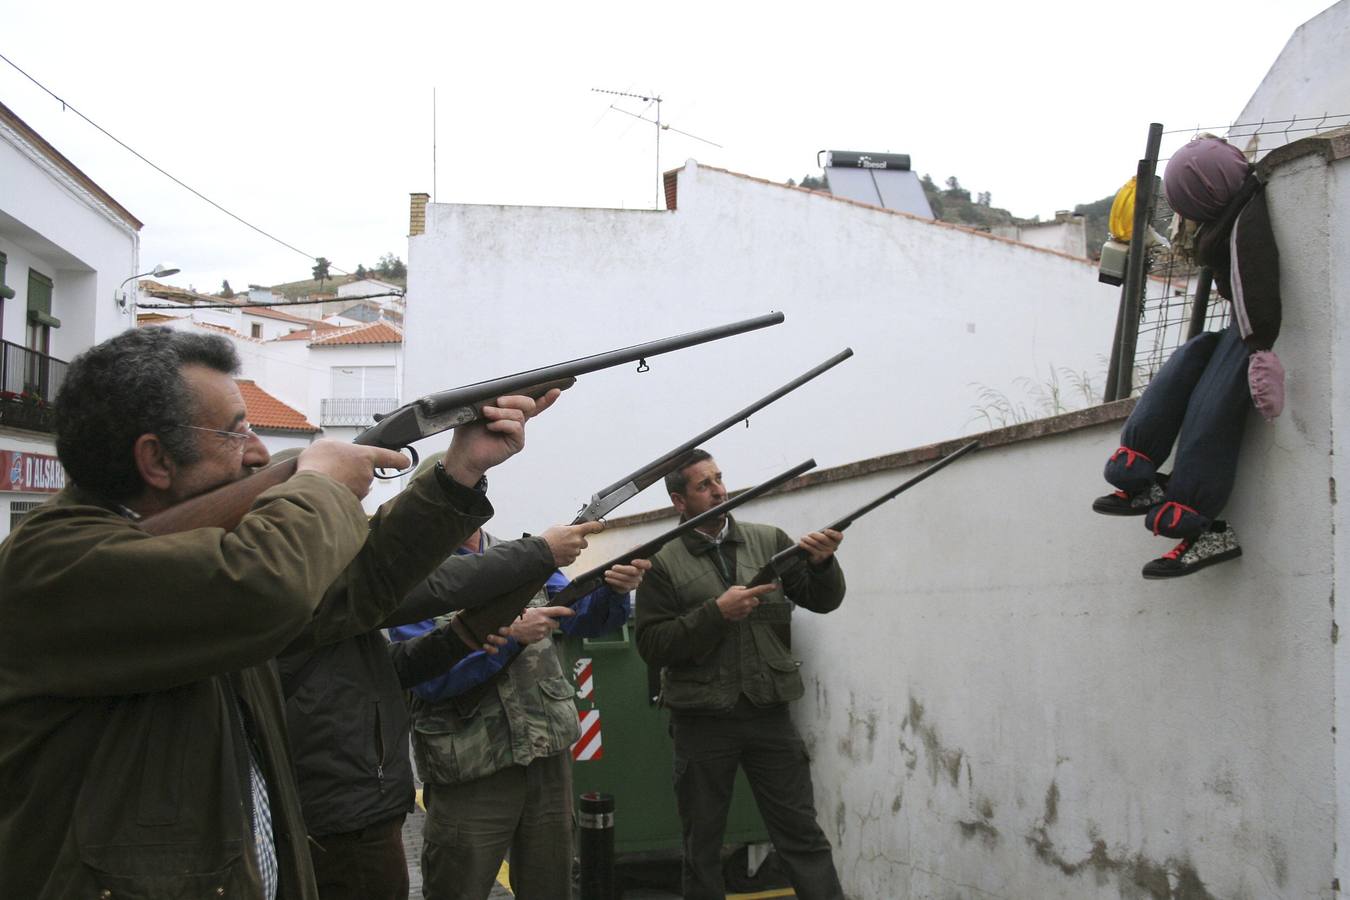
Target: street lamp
<point>159,271</point>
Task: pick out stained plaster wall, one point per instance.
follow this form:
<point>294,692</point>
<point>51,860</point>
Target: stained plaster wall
<point>1003,708</point>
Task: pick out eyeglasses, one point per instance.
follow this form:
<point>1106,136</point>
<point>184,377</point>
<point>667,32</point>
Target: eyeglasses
<point>241,436</point>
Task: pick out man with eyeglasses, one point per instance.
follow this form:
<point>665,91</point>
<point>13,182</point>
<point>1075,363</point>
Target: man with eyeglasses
<point>142,738</point>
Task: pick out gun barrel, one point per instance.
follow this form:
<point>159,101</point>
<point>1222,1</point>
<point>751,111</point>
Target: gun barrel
<point>658,468</point>
<point>861,511</point>
<point>588,581</point>
<point>434,404</point>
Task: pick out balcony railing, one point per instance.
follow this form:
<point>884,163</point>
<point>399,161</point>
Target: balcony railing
<point>358,412</point>
<point>28,382</point>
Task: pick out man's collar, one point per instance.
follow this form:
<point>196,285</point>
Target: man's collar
<point>697,543</point>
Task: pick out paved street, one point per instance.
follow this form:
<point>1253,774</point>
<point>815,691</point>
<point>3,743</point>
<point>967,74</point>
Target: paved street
<point>412,841</point>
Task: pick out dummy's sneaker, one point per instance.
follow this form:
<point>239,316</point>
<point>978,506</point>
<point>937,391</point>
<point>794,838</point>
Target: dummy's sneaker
<point>1121,503</point>
<point>1216,545</point>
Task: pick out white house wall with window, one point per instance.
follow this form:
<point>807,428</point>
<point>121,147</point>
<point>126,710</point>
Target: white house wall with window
<point>66,250</point>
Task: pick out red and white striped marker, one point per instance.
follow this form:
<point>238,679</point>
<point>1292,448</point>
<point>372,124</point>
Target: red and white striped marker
<point>588,746</point>
<point>581,671</point>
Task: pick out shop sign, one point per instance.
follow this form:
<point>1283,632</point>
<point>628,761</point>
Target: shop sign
<point>30,473</point>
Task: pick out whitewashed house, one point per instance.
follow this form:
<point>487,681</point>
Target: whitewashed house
<point>67,251</point>
<point>941,318</point>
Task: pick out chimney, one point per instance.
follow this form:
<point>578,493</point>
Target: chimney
<point>417,219</point>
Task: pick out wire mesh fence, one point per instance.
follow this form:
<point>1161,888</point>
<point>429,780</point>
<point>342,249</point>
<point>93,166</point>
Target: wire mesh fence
<point>1173,281</point>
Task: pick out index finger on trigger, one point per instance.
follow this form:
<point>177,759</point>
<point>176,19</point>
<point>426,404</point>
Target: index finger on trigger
<point>589,527</point>
<point>556,612</point>
<point>383,458</point>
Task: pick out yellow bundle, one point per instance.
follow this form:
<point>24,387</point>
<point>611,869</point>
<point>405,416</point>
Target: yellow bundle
<point>1121,221</point>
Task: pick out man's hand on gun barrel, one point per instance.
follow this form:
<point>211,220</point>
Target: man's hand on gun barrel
<point>820,545</point>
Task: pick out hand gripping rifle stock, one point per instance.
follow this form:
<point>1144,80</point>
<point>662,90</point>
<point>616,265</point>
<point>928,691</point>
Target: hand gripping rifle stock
<point>785,560</point>
<point>225,506</point>
<point>474,625</point>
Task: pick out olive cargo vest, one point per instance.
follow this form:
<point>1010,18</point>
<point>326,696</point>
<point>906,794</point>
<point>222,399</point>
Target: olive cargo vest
<point>753,656</point>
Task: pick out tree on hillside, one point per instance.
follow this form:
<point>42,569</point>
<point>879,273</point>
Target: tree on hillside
<point>320,270</point>
<point>225,290</point>
<point>391,266</point>
<point>812,183</point>
<point>360,271</point>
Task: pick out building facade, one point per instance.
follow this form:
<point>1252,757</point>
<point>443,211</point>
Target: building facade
<point>67,251</point>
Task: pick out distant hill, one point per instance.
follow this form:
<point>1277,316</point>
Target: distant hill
<point>954,204</point>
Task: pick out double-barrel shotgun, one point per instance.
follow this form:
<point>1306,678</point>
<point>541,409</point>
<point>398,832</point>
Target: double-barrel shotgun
<point>225,506</point>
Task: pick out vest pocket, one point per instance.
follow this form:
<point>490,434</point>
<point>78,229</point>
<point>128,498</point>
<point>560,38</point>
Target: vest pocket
<point>561,711</point>
<point>451,749</point>
<point>785,678</point>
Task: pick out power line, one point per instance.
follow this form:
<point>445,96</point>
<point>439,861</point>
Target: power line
<point>263,303</point>
<point>177,181</point>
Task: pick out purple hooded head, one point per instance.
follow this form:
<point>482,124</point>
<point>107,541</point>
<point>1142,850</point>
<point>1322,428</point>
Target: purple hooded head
<point>1203,176</point>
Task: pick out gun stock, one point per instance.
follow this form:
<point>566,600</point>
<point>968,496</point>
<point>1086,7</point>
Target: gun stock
<point>792,556</point>
<point>223,507</point>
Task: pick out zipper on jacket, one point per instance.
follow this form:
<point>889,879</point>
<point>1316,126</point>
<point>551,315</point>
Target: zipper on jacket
<point>379,749</point>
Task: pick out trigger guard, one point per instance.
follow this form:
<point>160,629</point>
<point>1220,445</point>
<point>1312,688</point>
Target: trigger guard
<point>399,473</point>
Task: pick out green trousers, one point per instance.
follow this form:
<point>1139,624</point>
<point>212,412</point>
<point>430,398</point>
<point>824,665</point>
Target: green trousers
<point>708,749</point>
<point>525,811</point>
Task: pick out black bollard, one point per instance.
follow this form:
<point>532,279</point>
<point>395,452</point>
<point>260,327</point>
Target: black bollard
<point>596,846</point>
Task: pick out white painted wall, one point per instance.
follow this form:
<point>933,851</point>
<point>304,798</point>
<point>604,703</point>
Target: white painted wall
<point>1003,708</point>
<point>1309,79</point>
<point>52,224</point>
<point>932,311</point>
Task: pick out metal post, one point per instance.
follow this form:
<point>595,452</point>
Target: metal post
<point>595,846</point>
<point>1113,366</point>
<point>1200,305</point>
<point>1133,298</point>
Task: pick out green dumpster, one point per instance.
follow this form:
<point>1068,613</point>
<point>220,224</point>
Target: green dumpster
<point>625,750</point>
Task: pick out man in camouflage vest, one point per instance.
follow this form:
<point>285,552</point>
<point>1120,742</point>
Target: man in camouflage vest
<point>727,676</point>
<point>492,739</point>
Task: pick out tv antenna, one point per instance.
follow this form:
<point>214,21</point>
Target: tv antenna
<point>660,127</point>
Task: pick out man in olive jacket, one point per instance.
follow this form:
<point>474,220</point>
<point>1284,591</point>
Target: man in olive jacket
<point>727,675</point>
<point>142,739</point>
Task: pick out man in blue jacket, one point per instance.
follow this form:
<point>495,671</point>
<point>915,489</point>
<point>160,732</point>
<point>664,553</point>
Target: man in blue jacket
<point>492,739</point>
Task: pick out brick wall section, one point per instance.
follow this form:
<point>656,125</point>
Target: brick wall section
<point>417,218</point>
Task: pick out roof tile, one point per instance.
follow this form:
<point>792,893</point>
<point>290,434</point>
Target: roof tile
<point>373,333</point>
<point>268,413</point>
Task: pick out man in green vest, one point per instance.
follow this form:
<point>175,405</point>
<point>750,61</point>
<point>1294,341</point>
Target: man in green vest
<point>727,676</point>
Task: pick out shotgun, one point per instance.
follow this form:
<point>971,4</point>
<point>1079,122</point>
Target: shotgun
<point>604,501</point>
<point>473,625</point>
<point>224,506</point>
<point>785,560</point>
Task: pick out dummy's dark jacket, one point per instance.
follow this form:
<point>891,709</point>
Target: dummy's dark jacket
<point>125,660</point>
<point>1239,247</point>
<point>345,703</point>
<point>708,662</point>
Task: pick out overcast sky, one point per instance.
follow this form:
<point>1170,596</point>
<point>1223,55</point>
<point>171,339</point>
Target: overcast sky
<point>314,121</point>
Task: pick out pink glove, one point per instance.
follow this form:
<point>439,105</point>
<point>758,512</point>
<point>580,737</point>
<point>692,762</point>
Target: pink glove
<point>1265,377</point>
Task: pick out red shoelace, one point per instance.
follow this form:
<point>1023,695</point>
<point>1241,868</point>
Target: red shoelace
<point>1130,456</point>
<point>1175,552</point>
<point>1177,510</point>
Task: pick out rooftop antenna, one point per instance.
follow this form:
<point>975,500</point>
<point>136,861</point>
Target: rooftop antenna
<point>433,144</point>
<point>660,126</point>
